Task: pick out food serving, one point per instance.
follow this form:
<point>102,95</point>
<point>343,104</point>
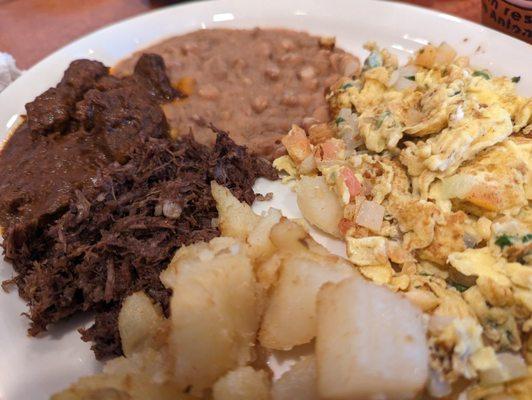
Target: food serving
<point>426,173</point>
<point>96,198</point>
<point>132,202</point>
<point>253,84</point>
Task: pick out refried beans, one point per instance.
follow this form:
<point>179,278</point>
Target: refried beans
<point>252,83</point>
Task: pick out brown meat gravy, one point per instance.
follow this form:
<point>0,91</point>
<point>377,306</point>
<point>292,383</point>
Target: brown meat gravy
<point>72,130</point>
<point>69,162</point>
<point>252,83</point>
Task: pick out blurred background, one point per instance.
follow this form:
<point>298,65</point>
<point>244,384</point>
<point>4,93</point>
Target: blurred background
<point>32,29</point>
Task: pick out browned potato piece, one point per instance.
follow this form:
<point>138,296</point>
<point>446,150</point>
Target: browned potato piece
<point>237,220</point>
<point>260,246</point>
<point>268,272</point>
<point>214,311</point>
<point>139,323</point>
<point>120,387</point>
<point>370,343</point>
<point>293,277</point>
<point>319,204</point>
<point>243,383</point>
<point>289,236</point>
<point>290,316</point>
<point>151,363</point>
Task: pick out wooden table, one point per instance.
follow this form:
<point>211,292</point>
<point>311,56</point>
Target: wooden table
<point>32,29</point>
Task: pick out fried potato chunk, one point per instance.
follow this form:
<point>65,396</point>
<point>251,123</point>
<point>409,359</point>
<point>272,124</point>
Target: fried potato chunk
<point>237,220</point>
<point>290,317</point>
<point>243,383</point>
<point>214,312</point>
<point>319,204</point>
<point>139,323</point>
<point>370,343</point>
<point>120,387</point>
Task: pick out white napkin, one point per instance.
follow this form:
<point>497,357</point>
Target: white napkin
<point>8,70</point>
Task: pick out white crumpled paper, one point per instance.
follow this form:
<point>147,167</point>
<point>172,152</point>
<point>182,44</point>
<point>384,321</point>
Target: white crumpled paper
<point>8,70</point>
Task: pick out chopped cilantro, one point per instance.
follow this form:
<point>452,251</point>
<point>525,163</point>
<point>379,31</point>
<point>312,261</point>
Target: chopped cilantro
<point>516,79</point>
<point>503,241</point>
<point>527,237</point>
<point>483,74</point>
<point>374,60</point>
<point>381,118</point>
<point>346,85</point>
<point>339,120</point>
<point>461,288</point>
<point>411,77</point>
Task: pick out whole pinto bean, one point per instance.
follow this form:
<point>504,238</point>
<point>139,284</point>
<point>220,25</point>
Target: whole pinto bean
<point>307,72</point>
<point>289,99</point>
<point>259,104</point>
<point>209,92</point>
<point>272,71</point>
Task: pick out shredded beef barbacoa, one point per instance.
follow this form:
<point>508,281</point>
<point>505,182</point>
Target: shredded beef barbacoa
<point>115,235</point>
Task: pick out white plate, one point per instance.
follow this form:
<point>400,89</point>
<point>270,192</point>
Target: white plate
<point>34,368</point>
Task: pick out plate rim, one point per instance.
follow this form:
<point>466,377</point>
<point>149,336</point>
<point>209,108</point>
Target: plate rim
<point>194,3</point>
<point>202,3</point>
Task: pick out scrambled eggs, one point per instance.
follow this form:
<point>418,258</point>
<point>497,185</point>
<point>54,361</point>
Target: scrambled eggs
<point>432,162</point>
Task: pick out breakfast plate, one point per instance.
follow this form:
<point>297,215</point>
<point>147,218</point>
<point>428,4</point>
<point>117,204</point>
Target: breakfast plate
<point>33,368</point>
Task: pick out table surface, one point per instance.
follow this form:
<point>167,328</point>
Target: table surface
<point>32,29</point>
